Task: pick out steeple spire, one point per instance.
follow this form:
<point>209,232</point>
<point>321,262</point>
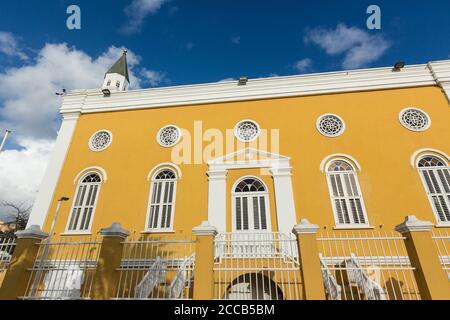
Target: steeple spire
<point>117,78</point>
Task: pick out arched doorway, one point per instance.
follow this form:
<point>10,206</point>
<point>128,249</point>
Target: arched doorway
<point>253,286</point>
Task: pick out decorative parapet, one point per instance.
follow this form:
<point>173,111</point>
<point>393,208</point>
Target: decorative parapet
<point>115,230</point>
<point>412,224</point>
<point>32,232</point>
<point>205,229</point>
<point>305,227</point>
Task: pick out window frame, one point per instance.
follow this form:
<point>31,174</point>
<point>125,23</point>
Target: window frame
<point>94,206</point>
<point>170,229</point>
<point>404,125</point>
<point>420,170</point>
<point>352,224</point>
<point>266,195</point>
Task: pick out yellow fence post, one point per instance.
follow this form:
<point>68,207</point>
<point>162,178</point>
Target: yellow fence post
<point>204,261</point>
<point>430,277</point>
<point>107,276</point>
<point>23,259</point>
<point>313,286</point>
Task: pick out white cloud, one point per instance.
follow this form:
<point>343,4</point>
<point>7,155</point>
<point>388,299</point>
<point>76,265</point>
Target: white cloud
<point>28,102</point>
<point>21,171</point>
<point>359,47</point>
<point>303,65</point>
<point>236,40</point>
<point>29,107</point>
<point>137,11</point>
<point>10,47</point>
<point>152,77</point>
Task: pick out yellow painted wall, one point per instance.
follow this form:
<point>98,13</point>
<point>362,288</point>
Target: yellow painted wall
<point>374,137</point>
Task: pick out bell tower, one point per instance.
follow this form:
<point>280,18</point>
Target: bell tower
<point>117,77</point>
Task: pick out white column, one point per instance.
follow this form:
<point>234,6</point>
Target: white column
<point>53,171</point>
<point>284,197</point>
<point>217,198</point>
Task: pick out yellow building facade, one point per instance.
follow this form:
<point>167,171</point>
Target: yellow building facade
<point>353,152</point>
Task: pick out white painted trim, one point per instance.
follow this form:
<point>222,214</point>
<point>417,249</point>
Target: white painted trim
<point>217,204</point>
<point>168,165</point>
<point>236,134</point>
<point>344,127</point>
<point>249,151</point>
<point>90,101</point>
<point>92,138</point>
<point>416,156</point>
<point>440,71</point>
<point>46,190</point>
<point>176,142</point>
<point>339,156</point>
<point>353,227</point>
<point>84,172</point>
<point>402,112</point>
<point>239,180</point>
<point>281,172</point>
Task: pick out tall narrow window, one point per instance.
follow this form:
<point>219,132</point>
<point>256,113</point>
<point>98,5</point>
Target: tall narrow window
<point>346,198</point>
<point>435,174</point>
<point>162,201</point>
<point>251,206</point>
<point>84,204</point>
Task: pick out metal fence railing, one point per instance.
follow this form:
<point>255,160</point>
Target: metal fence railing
<point>64,269</point>
<point>256,266</point>
<point>366,265</point>
<point>157,268</point>
<point>7,246</point>
<point>442,241</point>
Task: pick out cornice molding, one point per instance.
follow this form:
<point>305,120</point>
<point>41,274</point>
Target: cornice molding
<point>92,101</point>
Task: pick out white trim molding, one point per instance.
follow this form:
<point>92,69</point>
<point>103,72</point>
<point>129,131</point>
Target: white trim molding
<point>338,156</point>
<point>415,158</point>
<point>280,169</point>
<point>53,171</point>
<point>412,224</point>
<point>431,74</point>
<point>441,74</point>
<point>91,169</point>
<point>163,165</point>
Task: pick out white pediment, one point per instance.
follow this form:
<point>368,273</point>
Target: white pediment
<point>250,158</point>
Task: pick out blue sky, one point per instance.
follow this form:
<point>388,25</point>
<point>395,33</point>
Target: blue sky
<point>176,42</point>
<point>191,41</point>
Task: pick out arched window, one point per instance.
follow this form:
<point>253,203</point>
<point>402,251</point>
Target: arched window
<point>251,206</point>
<point>118,84</point>
<point>435,174</point>
<point>162,201</point>
<point>108,83</point>
<point>84,204</point>
<point>346,197</point>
